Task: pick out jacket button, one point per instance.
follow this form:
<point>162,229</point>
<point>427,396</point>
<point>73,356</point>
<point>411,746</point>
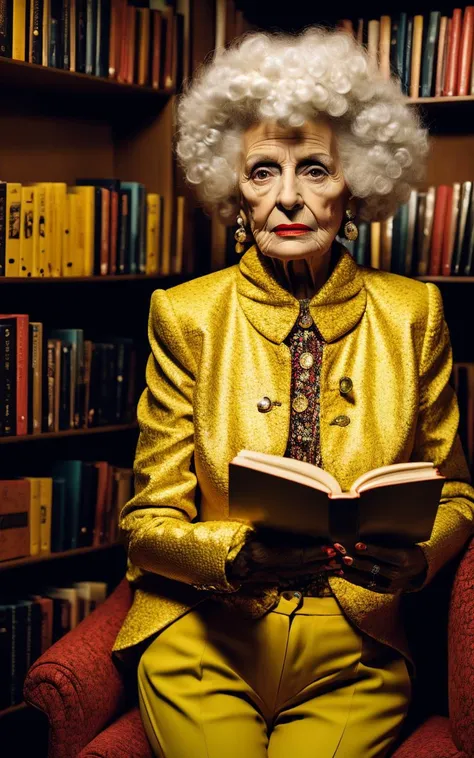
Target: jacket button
<point>306,321</point>
<point>306,360</point>
<point>300,403</point>
<point>340,421</point>
<point>345,385</point>
<point>264,405</point>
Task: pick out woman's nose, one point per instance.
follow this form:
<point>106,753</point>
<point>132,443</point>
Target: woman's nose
<point>289,196</point>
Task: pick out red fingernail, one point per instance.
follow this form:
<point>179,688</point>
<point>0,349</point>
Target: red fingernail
<point>360,546</point>
<point>329,551</point>
<point>340,547</point>
<point>348,560</point>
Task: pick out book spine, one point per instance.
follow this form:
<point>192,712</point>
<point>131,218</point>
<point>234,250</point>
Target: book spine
<point>104,40</point>
<point>6,28</point>
<point>91,22</point>
<point>81,36</point>
<point>400,46</point>
<point>105,232</point>
<point>465,52</point>
<point>50,385</point>
<point>407,57</point>
<point>36,31</point>
<point>384,46</point>
<point>66,35</point>
<point>429,55</point>
<point>375,244</point>
<point>22,375</point>
<point>13,224</point>
<point>453,53</point>
<point>27,263</point>
<point>156,50</point>
<point>3,228</point>
<point>460,246</point>
<point>447,233</point>
<point>9,373</point>
<point>440,60</point>
<point>416,56</point>
<point>131,44</point>
<point>19,30</point>
<point>442,194</point>
<point>72,35</point>
<point>114,231</point>
<point>35,379</point>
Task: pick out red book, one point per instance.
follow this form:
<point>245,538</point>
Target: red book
<point>452,62</point>
<point>122,66</point>
<point>22,337</point>
<point>156,49</point>
<point>105,232</point>
<point>131,43</point>
<point>465,52</point>
<point>447,248</point>
<point>114,207</point>
<point>443,194</point>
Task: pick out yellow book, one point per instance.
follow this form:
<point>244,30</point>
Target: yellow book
<point>59,226</point>
<point>12,252</point>
<point>153,202</point>
<point>386,233</point>
<point>46,31</point>
<point>373,39</point>
<point>384,45</point>
<point>19,30</point>
<point>35,514</point>
<point>27,262</point>
<point>375,244</point>
<point>41,260</point>
<point>46,508</point>
<point>70,257</point>
<point>46,227</point>
<point>417,43</point>
<point>87,198</point>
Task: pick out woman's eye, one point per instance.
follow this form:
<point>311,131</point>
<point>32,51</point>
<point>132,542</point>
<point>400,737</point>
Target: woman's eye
<point>261,174</point>
<point>316,172</point>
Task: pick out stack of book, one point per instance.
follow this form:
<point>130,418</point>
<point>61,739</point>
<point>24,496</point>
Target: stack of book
<point>98,227</point>
<point>463,375</point>
<point>431,235</point>
<point>431,55</point>
<point>109,38</point>
<point>78,506</point>
<point>29,626</point>
<point>53,380</point>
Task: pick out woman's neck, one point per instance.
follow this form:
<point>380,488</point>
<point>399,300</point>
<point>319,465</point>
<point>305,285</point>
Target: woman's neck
<point>304,277</point>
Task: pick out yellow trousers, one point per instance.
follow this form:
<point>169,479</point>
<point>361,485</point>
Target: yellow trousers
<point>301,681</point>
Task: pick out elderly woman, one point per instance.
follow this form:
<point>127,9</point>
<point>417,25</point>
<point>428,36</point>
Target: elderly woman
<point>252,645</point>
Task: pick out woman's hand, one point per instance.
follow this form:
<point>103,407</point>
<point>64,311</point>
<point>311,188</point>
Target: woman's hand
<point>383,569</point>
<point>271,556</point>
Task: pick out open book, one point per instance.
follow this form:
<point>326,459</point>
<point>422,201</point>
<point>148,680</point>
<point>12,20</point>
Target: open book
<point>393,505</point>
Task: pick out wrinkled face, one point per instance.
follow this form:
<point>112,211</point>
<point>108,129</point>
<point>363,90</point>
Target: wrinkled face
<point>292,187</point>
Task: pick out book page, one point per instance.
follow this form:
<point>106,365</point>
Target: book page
<point>395,473</point>
<point>307,470</point>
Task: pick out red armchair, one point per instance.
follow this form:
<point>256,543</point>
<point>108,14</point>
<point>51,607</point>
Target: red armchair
<point>91,704</point>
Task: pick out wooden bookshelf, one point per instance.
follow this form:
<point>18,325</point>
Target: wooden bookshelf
<point>169,279</point>
<point>447,279</point>
<point>35,559</point>
<point>43,436</point>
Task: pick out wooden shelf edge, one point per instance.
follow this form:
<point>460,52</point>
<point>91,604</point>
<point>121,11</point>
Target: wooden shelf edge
<point>14,709</point>
<point>446,279</point>
<point>69,433</point>
<point>33,559</point>
<point>89,279</point>
<point>441,99</point>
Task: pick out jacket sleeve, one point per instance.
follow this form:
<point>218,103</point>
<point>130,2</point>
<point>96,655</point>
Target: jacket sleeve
<point>159,523</point>
<point>437,441</point>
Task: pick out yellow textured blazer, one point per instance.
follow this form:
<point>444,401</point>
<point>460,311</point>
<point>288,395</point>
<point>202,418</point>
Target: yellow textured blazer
<point>217,349</point>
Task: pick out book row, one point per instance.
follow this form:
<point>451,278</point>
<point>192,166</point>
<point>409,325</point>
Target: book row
<point>97,227</point>
<point>431,235</point>
<point>108,38</point>
<point>432,55</point>
<point>77,506</point>
<point>29,626</point>
<point>53,380</point>
<point>463,379</point>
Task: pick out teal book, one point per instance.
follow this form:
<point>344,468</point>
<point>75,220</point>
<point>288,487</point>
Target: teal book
<point>71,471</point>
<point>401,44</point>
<point>362,247</point>
<point>75,338</point>
<point>91,35</point>
<point>136,193</point>
<point>399,239</point>
<point>407,57</point>
<point>429,54</point>
<point>58,516</point>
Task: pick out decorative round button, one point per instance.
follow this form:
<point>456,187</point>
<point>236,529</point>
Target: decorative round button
<point>340,421</point>
<point>300,403</point>
<point>264,405</point>
<point>305,321</point>
<point>345,385</point>
<point>287,595</point>
<point>306,360</point>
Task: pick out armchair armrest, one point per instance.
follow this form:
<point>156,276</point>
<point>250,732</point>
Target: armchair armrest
<point>431,740</point>
<point>76,683</point>
<point>461,653</point>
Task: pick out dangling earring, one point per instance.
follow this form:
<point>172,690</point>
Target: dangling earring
<point>351,231</point>
<point>240,236</point>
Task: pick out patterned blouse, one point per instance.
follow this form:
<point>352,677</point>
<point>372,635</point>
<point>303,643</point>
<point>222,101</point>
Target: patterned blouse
<point>306,347</point>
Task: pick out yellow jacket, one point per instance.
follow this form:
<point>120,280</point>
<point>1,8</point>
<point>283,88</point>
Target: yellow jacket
<point>217,349</point>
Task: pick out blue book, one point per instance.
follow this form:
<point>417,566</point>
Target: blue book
<point>75,338</point>
<point>58,517</point>
<point>407,59</point>
<point>401,43</point>
<point>135,191</point>
<point>71,471</point>
<point>399,239</point>
<point>362,247</point>
<point>429,54</point>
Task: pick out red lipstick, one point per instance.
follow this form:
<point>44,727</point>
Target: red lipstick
<point>291,230</point>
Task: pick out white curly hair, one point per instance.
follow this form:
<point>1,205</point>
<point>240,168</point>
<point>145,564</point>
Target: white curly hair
<point>290,79</point>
